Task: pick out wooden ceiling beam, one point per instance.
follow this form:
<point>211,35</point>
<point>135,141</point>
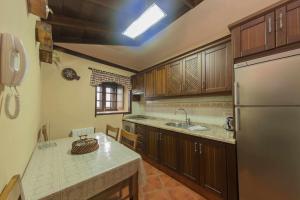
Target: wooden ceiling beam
<point>103,4</point>
<point>78,24</point>
<point>188,3</point>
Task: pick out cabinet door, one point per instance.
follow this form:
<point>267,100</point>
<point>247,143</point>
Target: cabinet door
<point>152,144</point>
<point>138,83</point>
<point>258,35</point>
<point>168,149</point>
<point>192,74</point>
<point>160,81</point>
<point>293,22</point>
<point>140,130</point>
<point>189,157</point>
<point>281,26</point>
<point>254,36</point>
<point>213,167</point>
<point>174,78</point>
<point>149,83</point>
<point>217,73</point>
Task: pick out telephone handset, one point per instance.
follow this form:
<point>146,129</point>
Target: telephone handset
<point>13,67</point>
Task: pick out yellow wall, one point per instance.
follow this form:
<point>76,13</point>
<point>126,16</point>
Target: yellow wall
<point>71,104</point>
<point>18,137</point>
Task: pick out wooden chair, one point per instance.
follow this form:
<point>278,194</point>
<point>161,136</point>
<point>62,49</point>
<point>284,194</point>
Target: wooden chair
<point>128,139</point>
<point>115,131</point>
<point>13,190</point>
<point>43,132</point>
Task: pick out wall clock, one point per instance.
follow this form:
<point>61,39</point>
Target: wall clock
<point>70,74</point>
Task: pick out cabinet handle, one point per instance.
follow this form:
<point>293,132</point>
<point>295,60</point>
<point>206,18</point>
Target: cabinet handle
<point>270,24</point>
<point>200,148</point>
<point>236,93</point>
<point>280,21</point>
<point>237,119</point>
<point>195,146</point>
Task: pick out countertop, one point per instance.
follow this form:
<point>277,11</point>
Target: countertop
<point>214,132</point>
<point>53,172</point>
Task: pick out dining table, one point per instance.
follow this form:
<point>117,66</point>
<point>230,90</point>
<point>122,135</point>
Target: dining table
<point>53,172</point>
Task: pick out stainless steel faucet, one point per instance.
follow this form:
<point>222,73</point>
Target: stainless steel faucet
<point>187,120</point>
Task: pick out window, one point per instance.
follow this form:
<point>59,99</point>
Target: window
<point>109,98</point>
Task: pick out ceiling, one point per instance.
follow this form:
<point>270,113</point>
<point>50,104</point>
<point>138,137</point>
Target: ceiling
<point>103,21</point>
<point>205,23</point>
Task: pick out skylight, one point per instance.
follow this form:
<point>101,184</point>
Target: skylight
<point>150,17</point>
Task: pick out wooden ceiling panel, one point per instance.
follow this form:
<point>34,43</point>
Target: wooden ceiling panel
<point>103,21</point>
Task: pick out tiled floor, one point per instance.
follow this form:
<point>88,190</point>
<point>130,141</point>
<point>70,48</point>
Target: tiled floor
<point>160,186</point>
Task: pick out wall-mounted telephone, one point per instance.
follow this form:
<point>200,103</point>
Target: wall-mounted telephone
<point>13,67</point>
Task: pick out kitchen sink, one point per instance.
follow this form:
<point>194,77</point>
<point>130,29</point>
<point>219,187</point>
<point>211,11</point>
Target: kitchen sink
<point>190,127</point>
<point>178,125</point>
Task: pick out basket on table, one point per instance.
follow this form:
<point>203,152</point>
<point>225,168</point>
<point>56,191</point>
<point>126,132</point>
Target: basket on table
<point>84,145</point>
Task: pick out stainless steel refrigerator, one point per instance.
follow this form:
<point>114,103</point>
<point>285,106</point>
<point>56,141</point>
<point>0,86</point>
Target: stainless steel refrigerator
<point>267,120</point>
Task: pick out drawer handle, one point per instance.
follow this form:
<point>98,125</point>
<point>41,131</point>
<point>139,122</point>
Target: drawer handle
<point>195,146</point>
<point>270,24</point>
<point>280,20</point>
<point>200,148</point>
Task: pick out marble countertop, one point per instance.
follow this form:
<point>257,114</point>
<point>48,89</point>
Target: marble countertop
<point>214,132</point>
<point>55,171</point>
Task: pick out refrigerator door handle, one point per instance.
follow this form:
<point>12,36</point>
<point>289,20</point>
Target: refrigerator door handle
<point>237,119</point>
<point>236,93</point>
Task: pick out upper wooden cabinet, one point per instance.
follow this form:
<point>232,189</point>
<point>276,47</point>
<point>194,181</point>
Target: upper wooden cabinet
<point>293,22</point>
<point>174,78</point>
<point>160,82</point>
<point>254,36</point>
<point>217,70</point>
<point>192,74</point>
<point>149,83</point>
<point>138,84</point>
<point>270,28</point>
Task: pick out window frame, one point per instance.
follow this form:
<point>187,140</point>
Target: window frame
<point>103,102</point>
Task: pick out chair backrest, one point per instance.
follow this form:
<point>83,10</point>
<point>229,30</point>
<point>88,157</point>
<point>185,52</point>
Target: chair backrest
<point>128,139</point>
<point>13,190</point>
<point>112,132</point>
<point>43,132</point>
<point>82,131</point>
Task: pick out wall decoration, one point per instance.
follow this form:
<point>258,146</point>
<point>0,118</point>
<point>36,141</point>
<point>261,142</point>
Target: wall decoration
<point>70,74</point>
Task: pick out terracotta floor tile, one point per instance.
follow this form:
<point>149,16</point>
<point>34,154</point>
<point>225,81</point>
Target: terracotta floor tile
<point>160,186</point>
<point>157,195</point>
<point>153,183</point>
<point>168,181</point>
<point>182,192</point>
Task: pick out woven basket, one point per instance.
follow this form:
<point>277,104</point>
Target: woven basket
<point>85,145</point>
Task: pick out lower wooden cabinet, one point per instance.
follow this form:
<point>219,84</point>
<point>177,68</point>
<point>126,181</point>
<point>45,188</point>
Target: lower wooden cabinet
<point>152,143</point>
<point>213,167</point>
<point>189,158</point>
<point>168,149</point>
<point>200,163</point>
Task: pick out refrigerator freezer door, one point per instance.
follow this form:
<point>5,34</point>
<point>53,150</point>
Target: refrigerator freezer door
<point>275,82</point>
<point>268,147</point>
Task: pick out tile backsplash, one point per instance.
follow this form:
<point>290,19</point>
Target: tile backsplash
<point>210,110</point>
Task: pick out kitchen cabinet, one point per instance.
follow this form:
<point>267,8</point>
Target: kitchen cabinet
<point>149,83</point>
<point>189,157</point>
<point>273,27</point>
<point>152,143</point>
<point>192,74</point>
<point>213,167</point>
<point>141,132</point>
<point>217,70</point>
<point>174,78</point>
<point>138,84</point>
<point>207,166</point>
<point>293,22</point>
<point>160,81</point>
<point>168,149</point>
<point>254,36</point>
